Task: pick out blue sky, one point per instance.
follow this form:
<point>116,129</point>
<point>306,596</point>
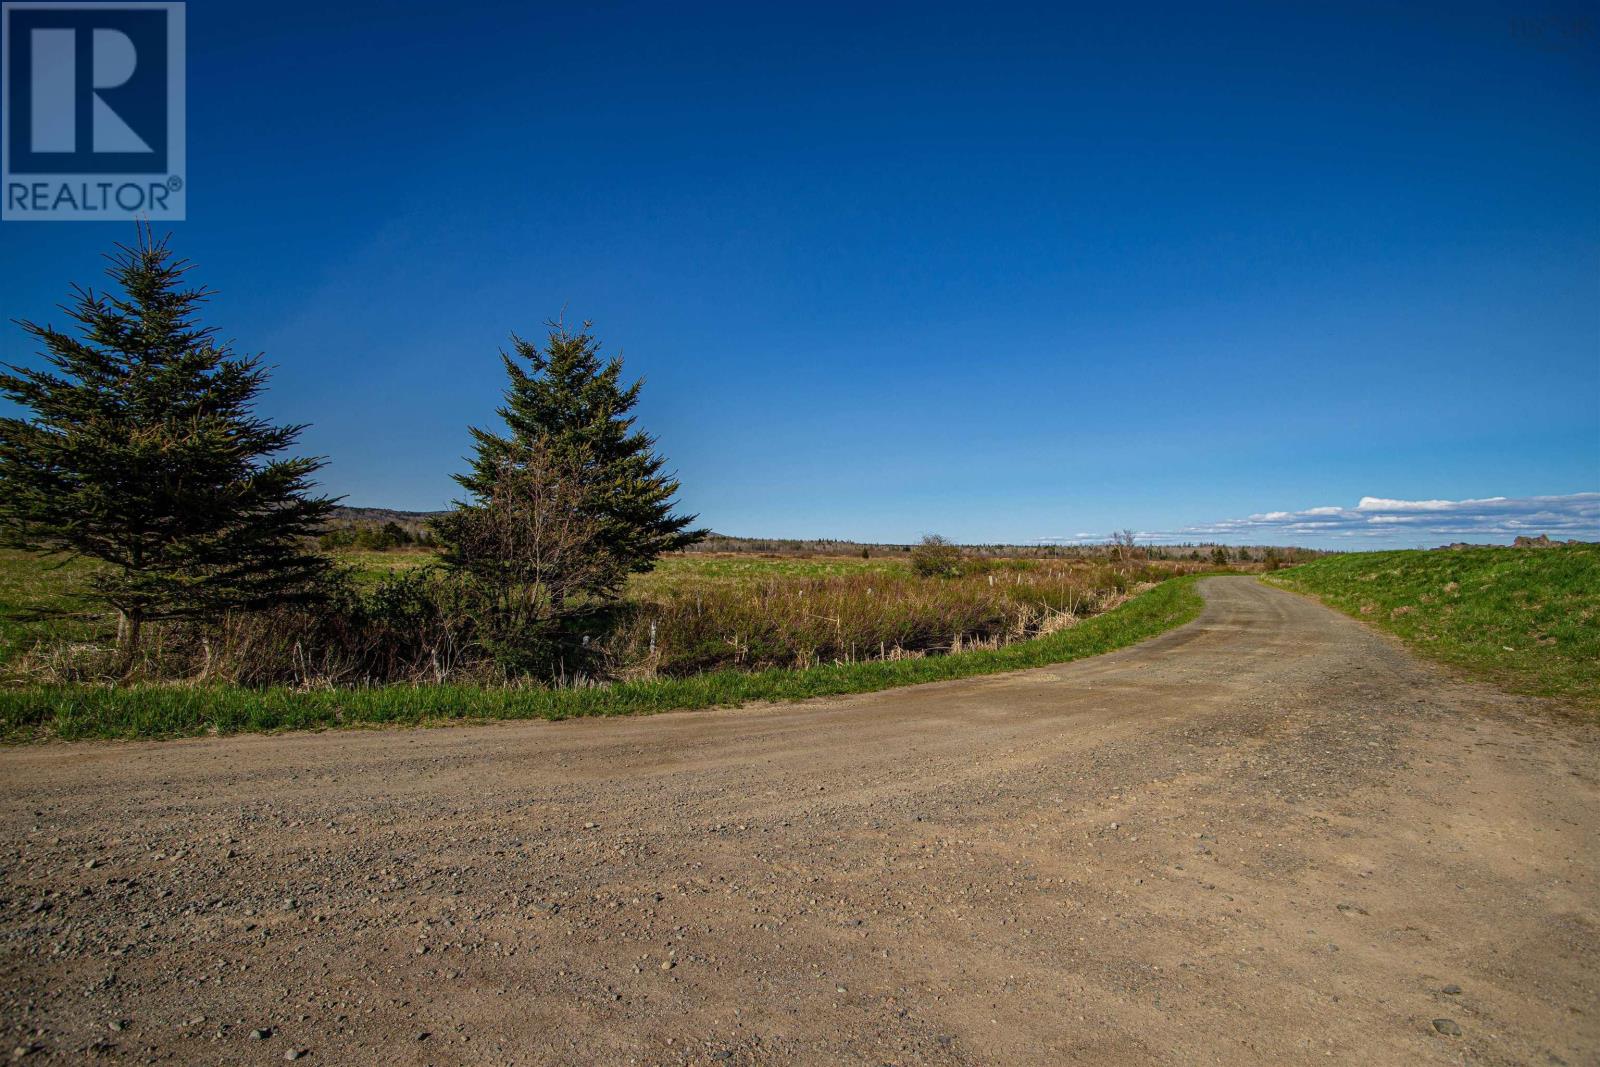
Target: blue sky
<point>1003,272</point>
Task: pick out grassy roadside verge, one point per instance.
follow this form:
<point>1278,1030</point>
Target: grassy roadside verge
<point>1526,619</point>
<point>149,711</point>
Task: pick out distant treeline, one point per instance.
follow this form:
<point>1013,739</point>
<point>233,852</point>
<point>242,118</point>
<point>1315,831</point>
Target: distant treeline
<point>384,528</point>
<point>414,524</point>
<point>826,546</point>
<point>374,537</point>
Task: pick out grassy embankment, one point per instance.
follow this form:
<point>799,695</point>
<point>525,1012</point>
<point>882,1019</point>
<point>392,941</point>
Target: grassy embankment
<point>29,712</point>
<point>1526,619</point>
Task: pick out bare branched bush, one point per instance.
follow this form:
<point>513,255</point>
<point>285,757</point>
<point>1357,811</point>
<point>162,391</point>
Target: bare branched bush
<point>936,557</point>
<point>535,564</point>
<point>1125,546</point>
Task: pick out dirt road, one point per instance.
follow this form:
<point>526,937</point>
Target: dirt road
<point>1269,837</point>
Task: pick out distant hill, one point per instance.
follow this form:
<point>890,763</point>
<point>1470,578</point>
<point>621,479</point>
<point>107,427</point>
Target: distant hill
<point>412,522</point>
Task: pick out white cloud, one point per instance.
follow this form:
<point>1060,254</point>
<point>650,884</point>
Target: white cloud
<point>1377,521</point>
<point>1378,503</point>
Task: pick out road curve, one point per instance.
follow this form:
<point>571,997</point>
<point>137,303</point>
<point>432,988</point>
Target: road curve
<point>1271,836</point>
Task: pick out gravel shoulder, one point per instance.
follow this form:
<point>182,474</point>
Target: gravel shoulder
<point>1271,836</point>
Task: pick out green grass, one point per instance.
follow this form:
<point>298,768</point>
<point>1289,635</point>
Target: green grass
<point>151,711</point>
<point>1527,619</point>
<point>29,583</point>
<point>370,566</point>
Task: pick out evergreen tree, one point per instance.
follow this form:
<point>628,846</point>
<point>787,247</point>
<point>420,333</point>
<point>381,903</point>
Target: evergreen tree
<point>143,452</point>
<point>570,402</point>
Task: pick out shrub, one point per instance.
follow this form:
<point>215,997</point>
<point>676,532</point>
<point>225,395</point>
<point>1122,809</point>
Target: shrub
<point>936,557</point>
<point>410,626</point>
<point>367,536</point>
<point>535,565</point>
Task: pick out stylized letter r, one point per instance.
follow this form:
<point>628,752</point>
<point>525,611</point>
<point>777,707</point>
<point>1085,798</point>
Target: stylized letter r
<point>55,91</point>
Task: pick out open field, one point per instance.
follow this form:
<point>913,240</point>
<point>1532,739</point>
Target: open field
<point>1527,619</point>
<point>677,570</point>
<point>1269,837</point>
<point>708,631</point>
<point>670,571</point>
<point>710,612</point>
<point>81,711</point>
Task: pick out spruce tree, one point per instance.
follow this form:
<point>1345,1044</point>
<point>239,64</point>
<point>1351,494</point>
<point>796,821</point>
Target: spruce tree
<point>143,451</point>
<point>569,401</point>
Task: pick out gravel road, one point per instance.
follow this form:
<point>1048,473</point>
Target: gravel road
<point>1271,836</point>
